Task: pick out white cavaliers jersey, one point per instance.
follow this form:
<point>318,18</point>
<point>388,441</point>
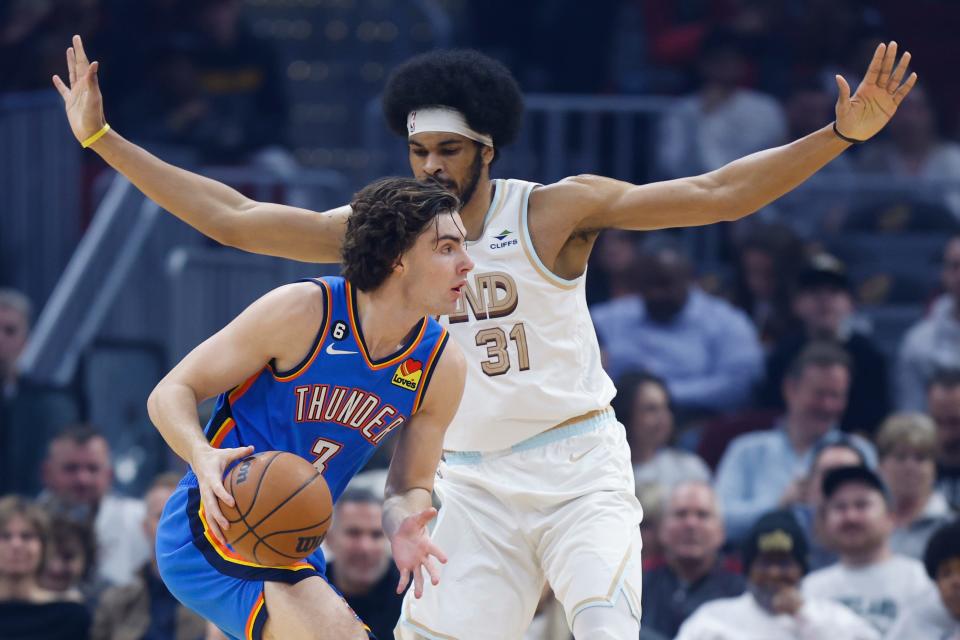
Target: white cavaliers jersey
<point>533,360</point>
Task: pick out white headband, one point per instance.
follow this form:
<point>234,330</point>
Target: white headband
<point>443,119</point>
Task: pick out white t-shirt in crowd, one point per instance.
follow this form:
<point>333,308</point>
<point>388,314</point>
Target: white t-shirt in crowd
<point>927,619</point>
<point>741,618</point>
<point>880,593</point>
<point>121,540</point>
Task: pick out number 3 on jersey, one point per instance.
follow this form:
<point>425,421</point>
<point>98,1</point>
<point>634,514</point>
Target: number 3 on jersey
<point>324,450</point>
<point>498,356</point>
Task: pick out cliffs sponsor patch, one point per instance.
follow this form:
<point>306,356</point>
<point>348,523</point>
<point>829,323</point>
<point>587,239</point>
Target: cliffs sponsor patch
<point>408,374</point>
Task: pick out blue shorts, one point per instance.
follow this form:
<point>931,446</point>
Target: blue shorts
<point>211,578</point>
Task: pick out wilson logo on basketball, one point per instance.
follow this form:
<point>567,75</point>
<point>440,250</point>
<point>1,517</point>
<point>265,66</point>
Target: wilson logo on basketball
<point>306,544</point>
<point>408,374</point>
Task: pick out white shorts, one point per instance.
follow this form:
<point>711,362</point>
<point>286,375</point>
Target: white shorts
<point>558,507</point>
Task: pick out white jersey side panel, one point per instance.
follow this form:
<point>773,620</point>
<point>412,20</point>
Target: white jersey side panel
<point>532,355</point>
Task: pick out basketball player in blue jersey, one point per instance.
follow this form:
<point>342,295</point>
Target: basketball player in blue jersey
<point>326,369</point>
<point>536,483</point>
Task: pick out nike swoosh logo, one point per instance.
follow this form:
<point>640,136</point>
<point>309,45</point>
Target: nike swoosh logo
<point>576,458</point>
<point>338,352</point>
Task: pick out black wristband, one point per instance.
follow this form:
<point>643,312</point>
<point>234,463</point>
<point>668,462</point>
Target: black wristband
<point>845,138</point>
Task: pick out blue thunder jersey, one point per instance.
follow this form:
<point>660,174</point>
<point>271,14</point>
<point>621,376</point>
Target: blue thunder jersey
<point>338,405</point>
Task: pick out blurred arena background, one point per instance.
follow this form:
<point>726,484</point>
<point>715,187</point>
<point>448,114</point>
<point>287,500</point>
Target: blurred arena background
<point>279,98</point>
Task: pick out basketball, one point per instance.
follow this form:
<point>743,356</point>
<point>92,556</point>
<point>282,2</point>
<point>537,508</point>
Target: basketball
<point>283,508</point>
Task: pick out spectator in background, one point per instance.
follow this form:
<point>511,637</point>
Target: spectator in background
<point>70,561</point>
<point>774,557</point>
<point>77,477</point>
<point>145,609</point>
<point>937,616</point>
<point>30,413</point>
<point>914,150</point>
<point>27,611</point>
<point>824,302</point>
<point>768,260</point>
<point>870,579</point>
<point>907,445</point>
<point>691,535</point>
<point>651,498</point>
<point>944,402</point>
<point>705,350</point>
<point>361,569</point>
<point>933,343</point>
<point>808,509</point>
<point>722,121</point>
<point>821,203</point>
<point>760,471</point>
<point>642,405</point>
<point>245,111</point>
<point>612,271</point>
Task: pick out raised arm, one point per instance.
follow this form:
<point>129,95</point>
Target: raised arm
<point>212,208</point>
<point>408,507</point>
<point>747,184</point>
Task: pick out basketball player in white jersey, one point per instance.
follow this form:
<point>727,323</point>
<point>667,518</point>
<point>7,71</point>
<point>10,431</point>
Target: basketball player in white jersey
<point>536,484</point>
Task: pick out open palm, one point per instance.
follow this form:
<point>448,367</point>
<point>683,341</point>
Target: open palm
<point>878,96</point>
<point>82,99</point>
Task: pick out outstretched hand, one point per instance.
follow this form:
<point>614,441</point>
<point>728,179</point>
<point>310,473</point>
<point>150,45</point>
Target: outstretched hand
<point>82,98</point>
<point>412,549</point>
<point>880,93</point>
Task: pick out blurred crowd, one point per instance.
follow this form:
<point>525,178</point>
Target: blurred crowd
<point>799,469</point>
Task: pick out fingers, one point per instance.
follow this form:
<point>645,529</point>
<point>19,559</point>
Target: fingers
<point>404,580</point>
<point>62,88</point>
<point>81,54</point>
<point>844,89</point>
<point>876,65</point>
<point>899,72</point>
<point>435,551</point>
<point>417,582</point>
<point>238,453</point>
<point>426,516</point>
<point>905,89</point>
<point>216,523</point>
<point>432,569</point>
<point>221,492</point>
<point>889,56</point>
<point>72,66</point>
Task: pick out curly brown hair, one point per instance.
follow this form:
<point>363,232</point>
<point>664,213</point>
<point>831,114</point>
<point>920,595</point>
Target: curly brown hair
<point>387,217</point>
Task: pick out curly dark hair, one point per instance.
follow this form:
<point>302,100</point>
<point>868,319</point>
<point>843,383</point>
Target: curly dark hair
<point>387,217</point>
<point>478,86</point>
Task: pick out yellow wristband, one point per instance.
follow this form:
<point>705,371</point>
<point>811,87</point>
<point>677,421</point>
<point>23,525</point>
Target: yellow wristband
<point>99,134</point>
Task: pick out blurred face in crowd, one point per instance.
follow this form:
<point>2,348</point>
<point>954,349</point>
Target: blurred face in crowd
<point>358,543</point>
<point>773,572</point>
<point>948,584</point>
<point>829,458</point>
<point>759,273</point>
<point>823,309</point>
<point>14,330</point>
<point>909,473</point>
<point>807,110</point>
<point>455,161</point>
<point>616,251</point>
<point>155,500</point>
<point>692,530</point>
<point>857,519</point>
<point>723,66</point>
<point>66,564</point>
<point>21,548</point>
<point>816,399</point>
<point>915,123</point>
<point>78,474</point>
<point>944,408</point>
<point>951,268</point>
<point>652,422</point>
<point>663,282</point>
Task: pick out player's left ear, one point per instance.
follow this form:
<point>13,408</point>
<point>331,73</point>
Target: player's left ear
<point>487,154</point>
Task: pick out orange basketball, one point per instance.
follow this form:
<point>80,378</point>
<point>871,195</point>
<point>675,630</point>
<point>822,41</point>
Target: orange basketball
<point>283,508</point>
